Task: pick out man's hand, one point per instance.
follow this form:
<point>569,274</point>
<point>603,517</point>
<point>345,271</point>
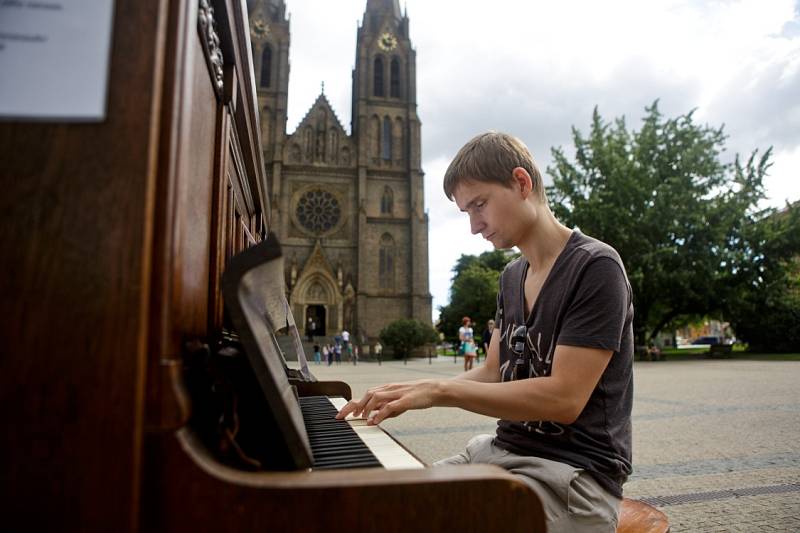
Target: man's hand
<point>391,400</point>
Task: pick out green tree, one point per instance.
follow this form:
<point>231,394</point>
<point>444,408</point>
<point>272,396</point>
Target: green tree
<point>474,290</point>
<point>764,308</point>
<point>406,334</point>
<point>676,213</point>
<point>493,260</point>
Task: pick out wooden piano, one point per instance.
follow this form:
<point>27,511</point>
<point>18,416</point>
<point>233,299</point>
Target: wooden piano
<point>113,239</point>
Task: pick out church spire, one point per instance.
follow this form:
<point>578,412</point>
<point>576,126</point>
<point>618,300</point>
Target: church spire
<point>384,6</point>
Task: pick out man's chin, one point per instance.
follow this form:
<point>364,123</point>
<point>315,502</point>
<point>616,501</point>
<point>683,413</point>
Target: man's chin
<point>498,244</point>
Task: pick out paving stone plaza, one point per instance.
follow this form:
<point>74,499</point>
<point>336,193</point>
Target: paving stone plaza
<point>716,442</point>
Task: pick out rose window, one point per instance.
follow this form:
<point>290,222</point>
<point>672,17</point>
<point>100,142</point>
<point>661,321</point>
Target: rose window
<point>318,211</point>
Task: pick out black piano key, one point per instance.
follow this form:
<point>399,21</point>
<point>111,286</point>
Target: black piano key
<point>339,450</point>
<point>349,459</point>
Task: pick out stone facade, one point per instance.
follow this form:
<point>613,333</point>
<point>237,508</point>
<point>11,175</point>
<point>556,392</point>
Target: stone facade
<point>348,208</point>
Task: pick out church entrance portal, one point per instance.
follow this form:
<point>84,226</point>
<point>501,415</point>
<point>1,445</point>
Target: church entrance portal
<point>316,314</point>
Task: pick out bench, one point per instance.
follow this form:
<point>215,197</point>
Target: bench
<point>639,517</point>
<point>720,350</point>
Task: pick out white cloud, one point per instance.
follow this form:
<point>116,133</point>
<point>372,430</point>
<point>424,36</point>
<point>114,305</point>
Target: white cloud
<point>537,68</point>
<point>783,181</point>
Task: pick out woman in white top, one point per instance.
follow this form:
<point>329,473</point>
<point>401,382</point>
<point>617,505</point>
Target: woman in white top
<point>467,338</point>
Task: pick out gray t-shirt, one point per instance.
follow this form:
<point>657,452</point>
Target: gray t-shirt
<point>585,301</point>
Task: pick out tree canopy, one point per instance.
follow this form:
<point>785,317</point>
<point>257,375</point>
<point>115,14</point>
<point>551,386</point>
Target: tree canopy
<point>686,224</point>
<point>764,303</point>
<point>474,290</point>
<point>406,334</point>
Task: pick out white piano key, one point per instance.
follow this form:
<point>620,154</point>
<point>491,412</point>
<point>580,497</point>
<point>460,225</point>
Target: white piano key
<point>391,454</point>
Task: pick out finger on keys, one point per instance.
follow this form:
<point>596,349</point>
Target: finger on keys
<point>348,408</point>
<point>386,411</point>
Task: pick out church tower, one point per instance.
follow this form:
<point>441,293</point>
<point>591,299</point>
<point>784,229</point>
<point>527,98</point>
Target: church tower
<point>348,208</point>
<point>269,38</point>
<point>394,228</point>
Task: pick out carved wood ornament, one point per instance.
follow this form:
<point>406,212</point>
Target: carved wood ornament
<point>207,28</point>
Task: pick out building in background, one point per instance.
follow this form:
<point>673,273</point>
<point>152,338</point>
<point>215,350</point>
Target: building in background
<point>348,207</point>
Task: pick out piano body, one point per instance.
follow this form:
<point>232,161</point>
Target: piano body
<point>113,241</point>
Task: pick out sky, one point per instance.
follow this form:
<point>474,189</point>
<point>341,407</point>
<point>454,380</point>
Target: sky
<point>535,69</point>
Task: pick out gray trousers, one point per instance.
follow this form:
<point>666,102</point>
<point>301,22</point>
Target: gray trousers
<point>572,500</point>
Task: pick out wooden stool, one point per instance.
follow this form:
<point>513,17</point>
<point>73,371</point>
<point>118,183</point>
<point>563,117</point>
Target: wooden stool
<point>639,517</point>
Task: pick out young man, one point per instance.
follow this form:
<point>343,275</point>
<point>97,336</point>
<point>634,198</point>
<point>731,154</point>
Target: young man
<point>558,373</point>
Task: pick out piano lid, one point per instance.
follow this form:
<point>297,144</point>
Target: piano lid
<point>252,287</point>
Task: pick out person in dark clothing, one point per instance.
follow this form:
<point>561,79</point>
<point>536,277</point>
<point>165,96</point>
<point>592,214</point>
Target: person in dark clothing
<point>486,338</point>
<point>559,370</point>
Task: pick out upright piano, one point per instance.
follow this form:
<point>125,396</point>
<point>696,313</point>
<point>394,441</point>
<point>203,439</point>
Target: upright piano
<point>131,400</point>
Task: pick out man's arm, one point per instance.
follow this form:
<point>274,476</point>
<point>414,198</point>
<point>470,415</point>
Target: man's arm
<point>559,397</point>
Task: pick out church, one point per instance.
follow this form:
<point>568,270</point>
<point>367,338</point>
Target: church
<point>348,207</point>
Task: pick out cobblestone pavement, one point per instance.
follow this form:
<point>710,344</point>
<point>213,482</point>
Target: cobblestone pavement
<point>716,443</point>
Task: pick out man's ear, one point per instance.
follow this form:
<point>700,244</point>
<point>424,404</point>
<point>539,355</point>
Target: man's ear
<point>522,181</point>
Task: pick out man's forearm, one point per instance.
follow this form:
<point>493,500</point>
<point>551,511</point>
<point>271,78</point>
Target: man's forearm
<point>513,400</point>
<point>484,374</point>
<point>559,397</point>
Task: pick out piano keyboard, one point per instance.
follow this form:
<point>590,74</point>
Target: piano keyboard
<point>349,443</point>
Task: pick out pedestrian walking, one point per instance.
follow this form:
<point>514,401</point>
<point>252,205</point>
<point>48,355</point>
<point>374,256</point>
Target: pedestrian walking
<point>337,352</point>
<point>486,338</point>
<point>310,329</point>
<point>327,354</point>
<point>467,338</point>
<point>316,354</point>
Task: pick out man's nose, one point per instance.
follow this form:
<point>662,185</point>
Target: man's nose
<point>475,224</point>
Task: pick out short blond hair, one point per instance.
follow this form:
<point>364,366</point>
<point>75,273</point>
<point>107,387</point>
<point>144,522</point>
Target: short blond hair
<point>491,157</point>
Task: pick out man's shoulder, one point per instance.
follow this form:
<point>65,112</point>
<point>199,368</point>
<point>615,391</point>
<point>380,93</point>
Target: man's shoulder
<point>515,266</point>
<point>592,248</point>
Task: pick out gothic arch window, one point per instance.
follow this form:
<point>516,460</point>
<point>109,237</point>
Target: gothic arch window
<point>265,126</point>
<point>398,140</point>
<point>374,137</point>
<point>378,77</point>
<point>295,154</point>
<point>394,80</point>
<point>308,141</point>
<point>387,201</point>
<point>386,139</point>
<point>386,262</point>
<point>333,142</point>
<point>266,66</point>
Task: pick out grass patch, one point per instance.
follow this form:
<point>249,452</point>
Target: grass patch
<point>767,356</point>
<point>739,353</point>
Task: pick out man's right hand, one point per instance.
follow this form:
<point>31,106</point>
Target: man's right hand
<point>387,401</point>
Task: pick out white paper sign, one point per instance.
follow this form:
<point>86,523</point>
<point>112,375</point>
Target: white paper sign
<point>54,59</point>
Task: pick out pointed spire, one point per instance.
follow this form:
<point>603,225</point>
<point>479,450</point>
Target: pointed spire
<point>384,6</point>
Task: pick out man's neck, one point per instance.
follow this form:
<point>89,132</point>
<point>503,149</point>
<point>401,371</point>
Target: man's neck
<point>544,241</point>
